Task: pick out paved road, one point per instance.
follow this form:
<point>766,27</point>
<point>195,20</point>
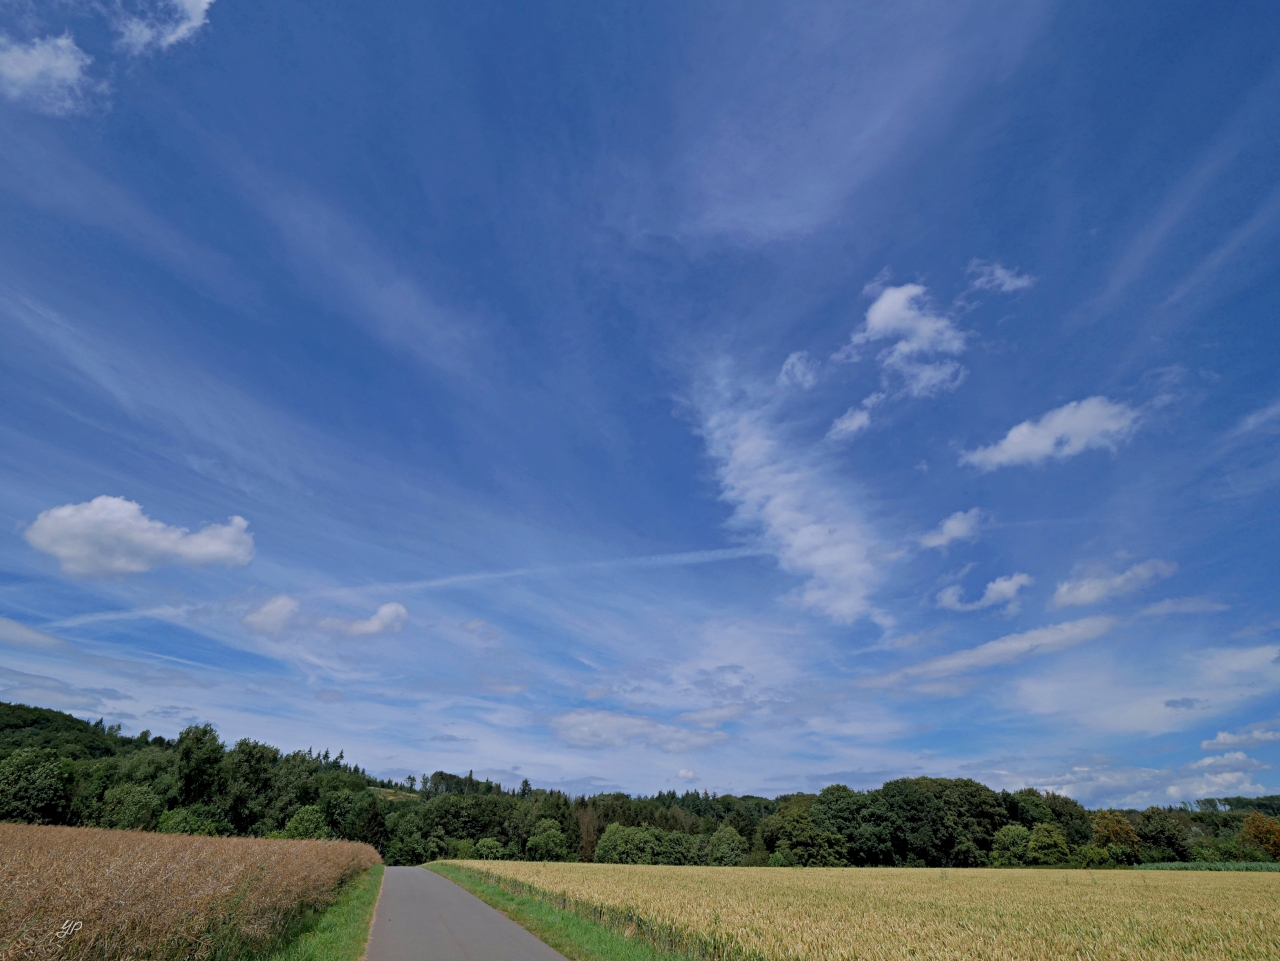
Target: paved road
<point>424,917</point>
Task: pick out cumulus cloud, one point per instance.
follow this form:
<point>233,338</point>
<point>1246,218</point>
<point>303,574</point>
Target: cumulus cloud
<point>1003,590</point>
<point>46,74</point>
<point>802,512</point>
<point>989,275</point>
<point>1066,431</point>
<point>596,729</point>
<point>388,617</point>
<point>1094,590</point>
<point>272,616</point>
<point>1184,605</point>
<point>902,315</point>
<point>162,23</point>
<point>1251,738</point>
<point>686,774</point>
<point>960,526</point>
<point>111,537</point>
<point>1012,647</point>
<point>798,371</point>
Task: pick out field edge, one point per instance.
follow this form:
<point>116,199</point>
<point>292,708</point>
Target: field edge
<point>577,936</point>
<point>341,931</point>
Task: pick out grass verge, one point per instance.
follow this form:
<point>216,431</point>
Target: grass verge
<point>341,932</point>
<point>577,938</point>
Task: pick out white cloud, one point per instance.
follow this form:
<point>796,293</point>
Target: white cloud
<point>1100,784</point>
<point>111,537</point>
<point>595,729</point>
<point>1012,647</point>
<point>388,617</point>
<point>1094,590</point>
<point>804,515</point>
<point>686,774</point>
<point>798,371</point>
<point>902,315</point>
<point>960,526</point>
<point>711,716</point>
<point>1165,694</point>
<point>1252,738</point>
<point>1061,433</point>
<point>1003,590</point>
<point>993,276</point>
<point>46,74</point>
<point>1258,418</point>
<point>1184,605</point>
<point>849,423</point>
<point>272,616</point>
<point>19,635</point>
<point>1230,761</point>
<point>162,24</point>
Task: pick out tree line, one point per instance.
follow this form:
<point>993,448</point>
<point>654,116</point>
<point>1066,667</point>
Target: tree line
<point>57,769</point>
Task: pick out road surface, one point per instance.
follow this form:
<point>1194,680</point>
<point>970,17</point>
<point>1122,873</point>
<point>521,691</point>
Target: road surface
<point>424,917</point>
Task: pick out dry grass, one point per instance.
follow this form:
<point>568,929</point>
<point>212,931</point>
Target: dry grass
<point>892,914</point>
<point>85,893</point>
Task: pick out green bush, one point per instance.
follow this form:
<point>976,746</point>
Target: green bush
<point>547,842</point>
<point>1092,856</point>
<point>1048,845</point>
<point>188,820</point>
<point>1009,846</point>
<point>132,807</point>
<point>489,849</point>
<point>727,847</point>
<point>35,787</point>
<point>308,824</point>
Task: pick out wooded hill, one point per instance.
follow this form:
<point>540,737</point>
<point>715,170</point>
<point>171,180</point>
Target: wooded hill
<point>58,769</point>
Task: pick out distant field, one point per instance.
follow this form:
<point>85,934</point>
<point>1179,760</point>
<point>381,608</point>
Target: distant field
<point>893,914</point>
<point>86,893</point>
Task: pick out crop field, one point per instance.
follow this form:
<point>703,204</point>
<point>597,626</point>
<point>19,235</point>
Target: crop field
<point>97,895</point>
<point>893,914</point>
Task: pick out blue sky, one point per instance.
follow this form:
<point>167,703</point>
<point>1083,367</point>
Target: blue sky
<point>744,397</point>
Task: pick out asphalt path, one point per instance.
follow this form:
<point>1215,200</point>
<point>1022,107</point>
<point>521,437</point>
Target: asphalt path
<point>424,917</point>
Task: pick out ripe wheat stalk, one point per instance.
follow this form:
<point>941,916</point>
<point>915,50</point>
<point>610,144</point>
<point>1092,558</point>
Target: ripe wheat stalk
<point>85,894</point>
<point>895,914</point>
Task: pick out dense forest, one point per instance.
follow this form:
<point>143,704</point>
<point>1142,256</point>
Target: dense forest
<point>58,769</point>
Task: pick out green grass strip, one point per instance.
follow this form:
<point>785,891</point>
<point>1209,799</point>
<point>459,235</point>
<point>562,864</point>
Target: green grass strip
<point>577,938</point>
<point>1211,866</point>
<point>341,932</point>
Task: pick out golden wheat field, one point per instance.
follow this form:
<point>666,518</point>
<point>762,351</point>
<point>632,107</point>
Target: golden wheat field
<point>96,895</point>
<point>894,914</point>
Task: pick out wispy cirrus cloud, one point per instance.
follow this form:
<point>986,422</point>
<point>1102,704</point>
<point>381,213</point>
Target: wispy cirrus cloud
<point>587,728</point>
<point>1095,590</point>
<point>272,616</point>
<point>789,499</point>
<point>1184,605</point>
<point>990,275</point>
<point>159,24</point>
<point>1004,650</point>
